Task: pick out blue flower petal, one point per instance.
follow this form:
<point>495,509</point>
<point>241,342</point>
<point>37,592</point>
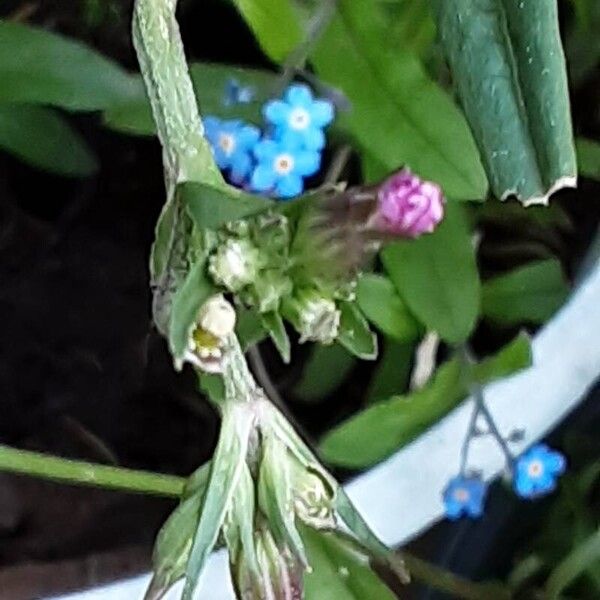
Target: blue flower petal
<point>211,126</point>
<point>299,94</point>
<point>276,112</point>
<point>314,138</point>
<point>247,136</point>
<point>266,150</point>
<point>321,113</point>
<point>524,487</point>
<point>263,179</point>
<point>556,463</point>
<point>221,158</point>
<point>306,163</point>
<point>241,164</point>
<point>289,186</point>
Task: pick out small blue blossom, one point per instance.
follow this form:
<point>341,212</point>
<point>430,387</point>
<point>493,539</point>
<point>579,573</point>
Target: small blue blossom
<point>537,470</point>
<point>300,116</point>
<point>235,93</point>
<point>282,164</point>
<point>464,496</point>
<point>232,143</point>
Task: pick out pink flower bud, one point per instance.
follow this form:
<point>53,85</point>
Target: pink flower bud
<point>408,206</point>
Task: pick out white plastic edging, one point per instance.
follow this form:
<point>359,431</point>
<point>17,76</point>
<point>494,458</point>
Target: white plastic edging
<point>402,496</point>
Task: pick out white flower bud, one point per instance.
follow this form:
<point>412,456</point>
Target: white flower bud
<point>234,264</point>
<point>315,317</point>
<point>217,317</point>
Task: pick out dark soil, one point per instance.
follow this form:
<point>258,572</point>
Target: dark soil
<point>82,372</point>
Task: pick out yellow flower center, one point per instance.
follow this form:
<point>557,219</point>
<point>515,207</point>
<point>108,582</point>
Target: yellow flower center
<point>284,163</point>
<point>226,142</point>
<point>299,118</point>
<point>535,469</point>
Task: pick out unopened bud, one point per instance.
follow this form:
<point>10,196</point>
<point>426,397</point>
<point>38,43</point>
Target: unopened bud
<point>315,317</point>
<point>234,264</point>
<point>217,317</point>
<point>408,206</point>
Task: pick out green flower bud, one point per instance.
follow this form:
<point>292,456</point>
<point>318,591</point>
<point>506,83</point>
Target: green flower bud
<point>279,575</point>
<point>267,291</point>
<point>315,317</point>
<point>313,498</point>
<point>234,264</point>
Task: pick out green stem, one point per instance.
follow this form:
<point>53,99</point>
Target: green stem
<point>79,472</point>
<point>448,582</point>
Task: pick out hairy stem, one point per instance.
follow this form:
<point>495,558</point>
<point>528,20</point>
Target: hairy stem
<point>80,472</point>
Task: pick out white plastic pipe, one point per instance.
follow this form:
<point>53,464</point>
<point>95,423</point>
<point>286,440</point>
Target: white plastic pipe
<point>402,496</point>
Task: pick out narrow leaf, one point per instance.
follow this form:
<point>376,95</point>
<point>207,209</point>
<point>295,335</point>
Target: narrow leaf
<point>581,558</point>
<point>375,433</point>
<point>436,275</point>
<point>588,155</point>
<point>381,304</point>
<point>340,571</point>
<point>210,207</point>
<point>275,25</point>
<point>39,67</point>
<point>273,323</point>
<point>227,467</point>
<point>398,115</point>
<point>42,138</point>
<point>324,372</point>
<point>508,65</point>
<point>210,84</point>
<point>188,300</point>
<point>393,371</point>
<point>355,334</point>
<point>532,293</point>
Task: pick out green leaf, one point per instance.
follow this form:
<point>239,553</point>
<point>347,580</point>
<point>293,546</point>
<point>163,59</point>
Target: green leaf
<point>227,467</point>
<point>275,496</point>
<point>375,433</point>
<point>437,277</point>
<point>172,547</point>
<point>39,67</point>
<point>532,293</point>
<point>210,207</point>
<point>273,323</point>
<point>584,556</point>
<point>354,333</point>
<point>379,301</point>
<point>324,372</point>
<point>514,357</point>
<point>399,115</point>
<point>210,81</point>
<point>393,371</point>
<point>588,155</point>
<point>508,66</point>
<point>249,327</point>
<point>42,138</point>
<point>275,25</point>
<point>188,300</point>
<point>340,570</point>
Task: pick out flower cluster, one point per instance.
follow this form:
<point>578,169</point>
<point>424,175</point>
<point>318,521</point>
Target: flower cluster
<point>276,161</point>
<point>534,475</point>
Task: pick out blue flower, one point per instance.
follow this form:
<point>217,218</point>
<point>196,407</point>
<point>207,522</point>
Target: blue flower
<point>281,166</point>
<point>537,470</point>
<point>464,496</point>
<point>232,143</point>
<point>300,116</point>
<point>235,93</point>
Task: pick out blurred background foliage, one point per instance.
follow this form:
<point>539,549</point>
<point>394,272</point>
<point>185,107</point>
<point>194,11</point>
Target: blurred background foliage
<point>383,66</point>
